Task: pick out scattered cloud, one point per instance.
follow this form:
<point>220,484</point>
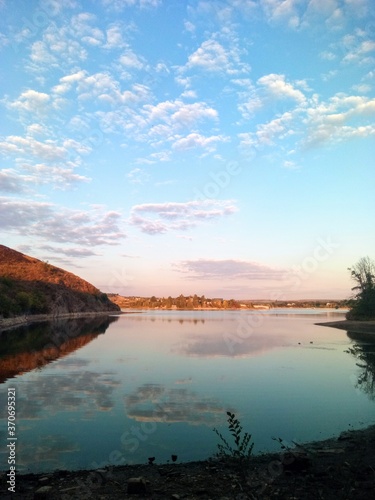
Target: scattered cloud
<point>338,120</point>
<point>69,252</point>
<point>159,218</point>
<point>177,113</point>
<point>227,269</point>
<point>138,176</point>
<point>276,87</point>
<point>11,182</point>
<point>195,140</point>
<point>59,225</point>
<point>213,57</point>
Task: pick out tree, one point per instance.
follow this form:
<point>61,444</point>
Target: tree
<point>363,274</point>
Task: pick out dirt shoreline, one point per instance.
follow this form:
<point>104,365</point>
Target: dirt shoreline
<point>351,325</point>
<point>338,468</point>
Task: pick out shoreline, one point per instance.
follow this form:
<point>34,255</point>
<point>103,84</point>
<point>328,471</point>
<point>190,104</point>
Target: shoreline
<point>11,323</point>
<point>339,467</point>
<point>351,325</point>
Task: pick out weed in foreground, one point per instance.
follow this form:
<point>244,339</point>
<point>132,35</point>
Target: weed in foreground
<point>243,447</point>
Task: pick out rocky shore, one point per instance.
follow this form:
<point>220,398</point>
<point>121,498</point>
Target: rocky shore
<point>337,468</point>
<point>10,323</point>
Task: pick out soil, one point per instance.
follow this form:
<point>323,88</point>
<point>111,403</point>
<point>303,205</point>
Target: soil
<point>338,468</point>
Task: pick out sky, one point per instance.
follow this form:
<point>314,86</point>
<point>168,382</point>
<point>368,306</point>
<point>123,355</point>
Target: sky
<point>159,147</point>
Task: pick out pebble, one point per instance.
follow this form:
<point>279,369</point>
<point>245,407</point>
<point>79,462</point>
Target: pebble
<point>137,486</point>
<point>43,492</point>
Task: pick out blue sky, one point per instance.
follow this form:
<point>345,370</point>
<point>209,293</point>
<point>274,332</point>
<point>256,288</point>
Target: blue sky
<point>223,148</point>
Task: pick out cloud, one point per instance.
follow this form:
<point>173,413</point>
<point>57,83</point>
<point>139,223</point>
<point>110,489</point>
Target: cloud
<point>298,15</point>
<point>68,392</point>
<point>213,57</point>
<point>177,113</point>
<point>31,101</point>
<point>81,24</point>
<point>242,341</point>
<point>276,86</point>
<point>114,37</point>
<point>53,163</point>
<point>119,5</point>
<point>341,118</point>
<point>57,49</point>
<point>156,403</point>
<point>195,140</point>
<point>59,225</point>
<point>228,269</point>
<point>102,88</point>
<point>10,181</point>
<point>130,60</point>
<point>158,218</point>
<point>282,11</point>
<point>69,252</point>
<point>267,133</point>
<point>138,176</point>
<point>313,122</point>
<point>30,146</point>
<point>360,53</point>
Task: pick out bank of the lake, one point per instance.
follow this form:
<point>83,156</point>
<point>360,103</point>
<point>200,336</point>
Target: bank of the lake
<point>17,321</point>
<point>338,468</point>
<point>351,325</point>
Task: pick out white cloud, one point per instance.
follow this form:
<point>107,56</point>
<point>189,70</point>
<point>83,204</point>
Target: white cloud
<point>339,119</point>
<point>61,177</point>
<point>360,53</point>
<point>10,181</point>
<point>53,163</point>
<point>114,38</point>
<point>195,140</point>
<point>213,57</point>
<point>276,86</point>
<point>66,82</point>
<point>31,101</point>
<point>282,11</point>
<point>130,60</point>
<point>29,146</point>
<point>51,223</point>
<point>119,5</point>
<point>138,176</point>
<point>158,218</point>
<point>178,114</point>
<point>228,269</point>
<point>266,133</point>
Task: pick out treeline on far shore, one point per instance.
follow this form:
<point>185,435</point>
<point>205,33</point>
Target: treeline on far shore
<point>202,302</point>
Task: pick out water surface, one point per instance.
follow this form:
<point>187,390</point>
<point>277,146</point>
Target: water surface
<point>156,383</point>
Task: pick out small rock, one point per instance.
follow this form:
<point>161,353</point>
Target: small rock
<point>43,492</point>
<point>296,461</point>
<point>137,486</point>
<point>175,496</point>
<point>44,479</point>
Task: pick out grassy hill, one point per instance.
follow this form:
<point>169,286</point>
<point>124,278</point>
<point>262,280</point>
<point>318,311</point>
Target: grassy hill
<point>29,286</point>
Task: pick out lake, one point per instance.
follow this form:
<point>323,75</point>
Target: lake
<point>101,391</point>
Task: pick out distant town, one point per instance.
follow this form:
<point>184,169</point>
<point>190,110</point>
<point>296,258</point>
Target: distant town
<point>193,302</point>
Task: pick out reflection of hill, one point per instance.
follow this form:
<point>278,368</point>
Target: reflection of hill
<point>27,348</point>
<point>364,350</point>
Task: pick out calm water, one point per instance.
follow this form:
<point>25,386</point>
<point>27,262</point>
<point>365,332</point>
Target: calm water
<point>156,383</point>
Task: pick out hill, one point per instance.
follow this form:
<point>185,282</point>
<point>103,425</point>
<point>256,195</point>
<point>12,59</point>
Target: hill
<point>29,286</point>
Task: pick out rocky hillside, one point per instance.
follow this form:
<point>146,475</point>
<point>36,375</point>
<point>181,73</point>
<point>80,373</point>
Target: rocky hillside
<point>29,286</point>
